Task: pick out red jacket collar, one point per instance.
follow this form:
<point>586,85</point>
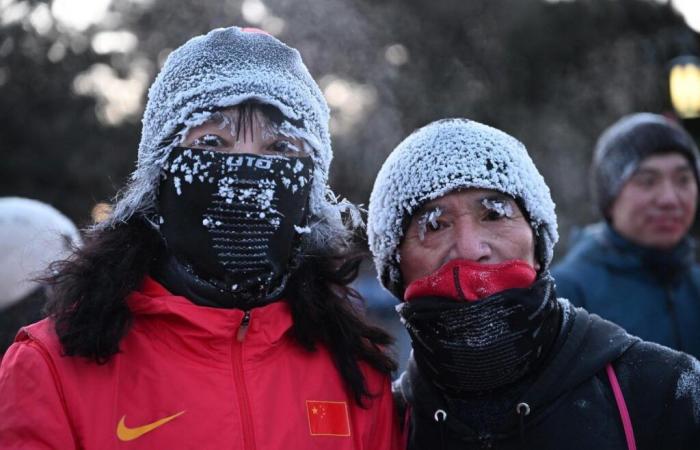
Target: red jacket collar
<point>153,302</point>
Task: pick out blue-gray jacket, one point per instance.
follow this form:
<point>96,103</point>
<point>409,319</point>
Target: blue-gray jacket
<point>652,294</point>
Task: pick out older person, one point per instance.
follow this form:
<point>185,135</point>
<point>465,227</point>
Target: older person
<point>637,267</point>
<point>212,310</point>
<point>462,226</point>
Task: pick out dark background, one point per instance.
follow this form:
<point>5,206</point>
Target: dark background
<point>552,74</point>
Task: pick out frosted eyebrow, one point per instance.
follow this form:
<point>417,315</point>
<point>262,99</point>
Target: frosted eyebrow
<point>501,205</point>
<point>429,216</point>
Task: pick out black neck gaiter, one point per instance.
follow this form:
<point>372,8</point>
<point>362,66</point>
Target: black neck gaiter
<point>231,221</point>
<point>466,348</point>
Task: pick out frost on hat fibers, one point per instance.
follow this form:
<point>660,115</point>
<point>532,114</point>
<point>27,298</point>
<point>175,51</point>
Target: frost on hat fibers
<point>221,69</point>
<point>623,145</point>
<point>443,156</point>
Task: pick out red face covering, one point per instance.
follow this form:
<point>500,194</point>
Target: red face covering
<point>469,281</point>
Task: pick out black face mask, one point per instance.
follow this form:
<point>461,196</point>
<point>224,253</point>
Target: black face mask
<point>230,219</point>
<point>473,347</point>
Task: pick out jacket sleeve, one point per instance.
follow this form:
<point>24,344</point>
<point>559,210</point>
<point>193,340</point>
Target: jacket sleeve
<point>662,389</point>
<point>32,412</point>
<point>386,431</point>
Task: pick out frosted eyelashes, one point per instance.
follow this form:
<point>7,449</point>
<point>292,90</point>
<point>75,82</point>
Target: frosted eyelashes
<point>495,208</point>
<point>501,208</point>
<point>428,219</point>
<point>237,126</point>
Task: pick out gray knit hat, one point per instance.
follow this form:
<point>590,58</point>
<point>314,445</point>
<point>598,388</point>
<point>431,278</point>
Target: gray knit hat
<point>439,158</point>
<point>224,68</point>
<point>622,147</point>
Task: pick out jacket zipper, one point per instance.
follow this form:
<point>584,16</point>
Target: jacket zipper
<point>239,381</point>
<point>670,306</point>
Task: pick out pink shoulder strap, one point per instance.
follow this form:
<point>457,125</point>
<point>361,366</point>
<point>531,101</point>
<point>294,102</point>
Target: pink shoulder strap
<point>622,407</point>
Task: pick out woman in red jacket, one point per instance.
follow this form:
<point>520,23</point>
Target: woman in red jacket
<point>212,309</point>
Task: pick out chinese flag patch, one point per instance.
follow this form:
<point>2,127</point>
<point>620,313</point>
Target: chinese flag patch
<point>328,418</point>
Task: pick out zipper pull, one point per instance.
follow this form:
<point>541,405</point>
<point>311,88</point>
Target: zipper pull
<point>243,329</point>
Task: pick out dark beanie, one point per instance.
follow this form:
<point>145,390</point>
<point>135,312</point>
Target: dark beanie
<point>626,143</point>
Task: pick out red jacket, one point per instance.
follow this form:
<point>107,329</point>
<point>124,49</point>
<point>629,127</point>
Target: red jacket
<point>184,380</point>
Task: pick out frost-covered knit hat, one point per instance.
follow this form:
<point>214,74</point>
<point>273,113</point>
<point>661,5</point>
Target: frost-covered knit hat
<point>622,147</point>
<point>221,69</point>
<point>439,158</point>
<point>32,235</point>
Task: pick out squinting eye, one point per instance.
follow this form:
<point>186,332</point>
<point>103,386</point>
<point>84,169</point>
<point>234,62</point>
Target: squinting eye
<point>683,180</point>
<point>496,209</point>
<point>282,147</point>
<point>208,140</point>
<point>645,181</point>
<point>492,214</point>
<point>428,222</point>
<point>433,226</point>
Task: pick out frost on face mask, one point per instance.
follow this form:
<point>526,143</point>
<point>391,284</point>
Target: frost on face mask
<point>257,197</point>
<point>502,208</point>
<point>428,218</point>
<point>188,166</point>
<point>254,200</point>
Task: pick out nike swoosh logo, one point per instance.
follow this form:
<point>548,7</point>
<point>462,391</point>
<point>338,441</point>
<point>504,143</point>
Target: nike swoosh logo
<point>125,433</point>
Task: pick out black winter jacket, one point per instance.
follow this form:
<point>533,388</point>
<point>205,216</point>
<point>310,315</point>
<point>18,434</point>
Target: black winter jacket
<point>571,402</point>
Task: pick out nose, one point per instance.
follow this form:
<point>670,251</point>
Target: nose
<point>668,194</point>
<point>471,242</point>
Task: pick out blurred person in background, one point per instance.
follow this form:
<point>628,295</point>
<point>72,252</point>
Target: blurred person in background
<point>32,235</point>
<point>211,309</point>
<point>637,268</point>
<point>462,228</point>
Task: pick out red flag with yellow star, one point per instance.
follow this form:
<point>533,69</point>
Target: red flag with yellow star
<point>328,418</point>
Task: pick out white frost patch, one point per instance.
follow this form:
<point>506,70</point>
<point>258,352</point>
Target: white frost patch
<point>581,403</point>
<point>500,207</point>
<point>178,187</point>
<point>689,386</point>
<point>428,218</point>
<point>302,230</point>
<point>566,309</point>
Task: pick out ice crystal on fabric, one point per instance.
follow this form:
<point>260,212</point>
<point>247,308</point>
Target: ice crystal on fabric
<point>689,386</point>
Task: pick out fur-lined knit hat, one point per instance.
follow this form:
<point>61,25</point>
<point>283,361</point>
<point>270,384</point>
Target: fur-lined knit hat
<point>622,147</point>
<point>439,158</point>
<point>224,68</point>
